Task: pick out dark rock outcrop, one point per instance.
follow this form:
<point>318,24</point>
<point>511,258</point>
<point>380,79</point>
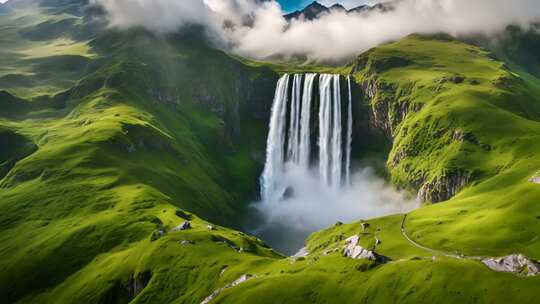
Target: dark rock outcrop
<point>443,187</point>
<point>125,292</point>
<point>183,226</point>
<point>387,114</point>
<point>184,215</point>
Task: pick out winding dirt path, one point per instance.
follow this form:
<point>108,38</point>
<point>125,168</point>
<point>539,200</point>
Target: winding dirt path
<point>436,251</point>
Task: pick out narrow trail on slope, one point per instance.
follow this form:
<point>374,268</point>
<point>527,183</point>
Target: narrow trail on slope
<point>436,251</point>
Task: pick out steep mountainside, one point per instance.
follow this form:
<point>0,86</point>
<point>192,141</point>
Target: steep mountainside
<point>470,127</point>
<point>516,45</point>
<point>112,132</point>
<point>115,139</point>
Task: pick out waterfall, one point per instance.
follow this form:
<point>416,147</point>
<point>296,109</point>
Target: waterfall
<point>296,148</point>
<point>325,94</point>
<point>349,136</point>
<point>270,189</point>
<point>294,122</point>
<point>305,130</point>
<point>336,154</point>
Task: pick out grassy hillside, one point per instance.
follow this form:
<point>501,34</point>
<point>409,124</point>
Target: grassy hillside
<point>115,138</point>
<point>448,107</point>
<point>458,115</point>
<point>106,139</point>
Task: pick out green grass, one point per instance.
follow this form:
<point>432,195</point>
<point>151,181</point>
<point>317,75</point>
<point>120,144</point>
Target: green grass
<point>131,128</point>
<point>496,213</point>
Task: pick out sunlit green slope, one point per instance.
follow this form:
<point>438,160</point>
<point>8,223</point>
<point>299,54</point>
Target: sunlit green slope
<point>461,120</point>
<point>111,139</point>
<point>106,139</point>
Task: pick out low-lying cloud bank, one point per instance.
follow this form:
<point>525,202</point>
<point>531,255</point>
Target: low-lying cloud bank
<point>257,29</point>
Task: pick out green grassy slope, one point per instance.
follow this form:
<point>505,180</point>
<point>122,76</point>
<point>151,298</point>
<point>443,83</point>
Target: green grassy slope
<point>449,107</point>
<point>484,125</point>
<point>103,157</point>
<point>106,142</point>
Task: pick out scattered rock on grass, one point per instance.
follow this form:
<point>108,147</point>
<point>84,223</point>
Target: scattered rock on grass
<point>355,251</point>
<point>515,263</point>
<point>302,253</point>
<point>157,234</point>
<point>237,282</point>
<point>535,180</point>
<point>183,226</point>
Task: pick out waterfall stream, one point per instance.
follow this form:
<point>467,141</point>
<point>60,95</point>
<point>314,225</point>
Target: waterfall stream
<point>298,101</point>
<point>306,183</point>
<point>274,167</point>
<point>349,136</point>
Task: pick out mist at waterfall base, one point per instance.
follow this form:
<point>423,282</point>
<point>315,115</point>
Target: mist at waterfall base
<point>308,185</point>
<point>309,207</point>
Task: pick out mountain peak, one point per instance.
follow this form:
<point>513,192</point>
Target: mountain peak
<point>310,12</point>
<point>338,7</point>
<point>316,9</point>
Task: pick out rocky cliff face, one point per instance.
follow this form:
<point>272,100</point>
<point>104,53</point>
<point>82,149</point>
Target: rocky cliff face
<point>388,112</point>
<point>443,187</point>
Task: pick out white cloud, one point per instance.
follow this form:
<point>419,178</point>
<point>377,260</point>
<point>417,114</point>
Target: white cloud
<point>336,36</point>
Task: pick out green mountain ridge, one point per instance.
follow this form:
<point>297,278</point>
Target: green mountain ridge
<point>117,137</point>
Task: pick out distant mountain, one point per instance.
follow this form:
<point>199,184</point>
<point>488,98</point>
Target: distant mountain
<point>515,45</point>
<point>310,12</point>
<point>315,10</point>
